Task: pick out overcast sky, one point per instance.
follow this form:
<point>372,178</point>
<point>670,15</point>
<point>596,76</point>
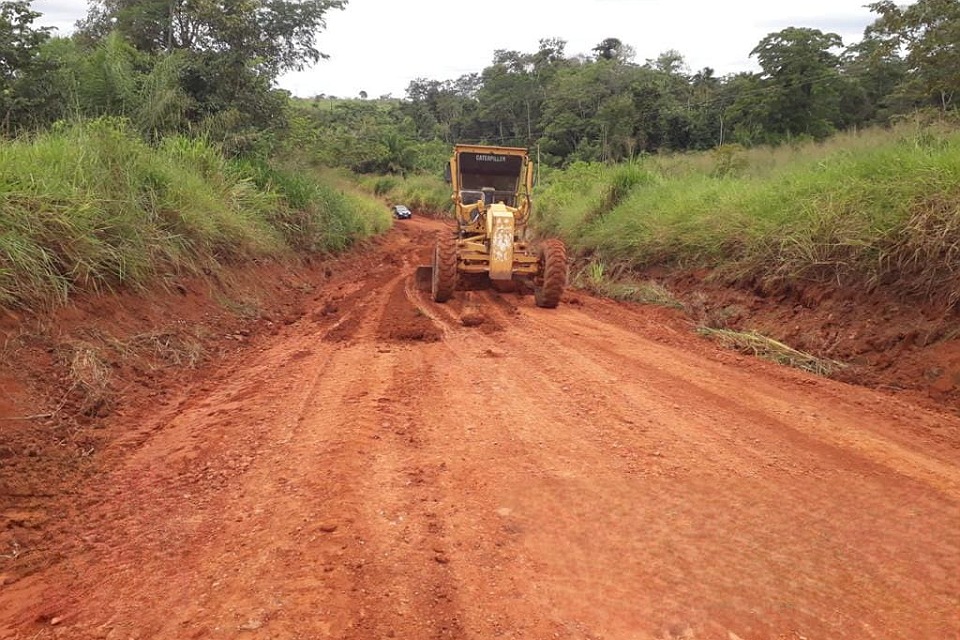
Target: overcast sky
<point>379,46</point>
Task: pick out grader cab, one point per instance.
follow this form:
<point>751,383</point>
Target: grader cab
<point>492,196</point>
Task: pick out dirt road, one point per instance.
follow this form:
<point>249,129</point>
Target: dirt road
<point>379,470</point>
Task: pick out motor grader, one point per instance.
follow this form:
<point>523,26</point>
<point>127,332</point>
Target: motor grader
<point>492,196</point>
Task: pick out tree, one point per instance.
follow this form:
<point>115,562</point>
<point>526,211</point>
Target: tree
<point>233,50</point>
<point>441,109</point>
<point>279,35</point>
<point>797,51</point>
<point>670,62</point>
<point>801,79</point>
<point>745,114</point>
<point>19,40</point>
<point>420,106</point>
<point>597,111</point>
<point>510,97</point>
<point>20,64</point>
<point>399,155</point>
<point>615,50</point>
<point>929,31</point>
<point>550,53</point>
<point>880,73</point>
<point>148,25</point>
<point>617,117</point>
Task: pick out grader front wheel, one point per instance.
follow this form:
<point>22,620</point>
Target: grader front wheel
<point>444,269</point>
<point>552,276</point>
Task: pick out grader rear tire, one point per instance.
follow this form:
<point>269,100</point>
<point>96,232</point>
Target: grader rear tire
<point>552,277</point>
<point>444,279</point>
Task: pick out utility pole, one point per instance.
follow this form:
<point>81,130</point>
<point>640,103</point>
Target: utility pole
<point>173,14</point>
<point>529,125</point>
<point>603,142</point>
<point>538,163</point>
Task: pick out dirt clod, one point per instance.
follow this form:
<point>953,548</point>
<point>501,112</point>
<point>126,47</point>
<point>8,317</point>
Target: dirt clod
<point>472,318</point>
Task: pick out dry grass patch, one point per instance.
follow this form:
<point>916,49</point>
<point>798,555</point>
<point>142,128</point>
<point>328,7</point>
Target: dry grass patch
<point>620,286</point>
<point>753,343</point>
<point>89,378</point>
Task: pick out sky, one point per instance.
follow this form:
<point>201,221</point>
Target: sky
<point>379,46</point>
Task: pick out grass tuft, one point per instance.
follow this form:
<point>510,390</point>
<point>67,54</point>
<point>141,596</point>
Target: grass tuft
<point>89,380</point>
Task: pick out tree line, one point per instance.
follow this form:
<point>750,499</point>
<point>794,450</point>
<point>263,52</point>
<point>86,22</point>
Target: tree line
<point>607,107</point>
<point>210,67</point>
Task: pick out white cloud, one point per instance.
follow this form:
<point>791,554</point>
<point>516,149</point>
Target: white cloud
<point>61,14</point>
<point>379,46</point>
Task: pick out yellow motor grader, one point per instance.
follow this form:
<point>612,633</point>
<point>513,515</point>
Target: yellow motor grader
<point>492,196</point>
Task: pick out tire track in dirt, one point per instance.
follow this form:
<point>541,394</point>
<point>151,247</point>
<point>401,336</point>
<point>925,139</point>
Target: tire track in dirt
<point>351,396</point>
<point>378,469</point>
<point>681,377</point>
<point>747,465</point>
<point>169,469</point>
<point>356,551</point>
<point>377,461</point>
<point>406,517</point>
<point>756,446</point>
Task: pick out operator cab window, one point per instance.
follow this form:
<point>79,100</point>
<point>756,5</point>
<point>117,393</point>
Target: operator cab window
<point>503,189</point>
<point>470,196</point>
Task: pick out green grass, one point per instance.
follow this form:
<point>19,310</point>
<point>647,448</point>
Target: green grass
<point>90,207</point>
<point>422,193</point>
<point>875,209</point>
<point>321,212</point>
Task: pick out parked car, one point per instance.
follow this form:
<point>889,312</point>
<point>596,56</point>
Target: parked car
<point>400,212</point>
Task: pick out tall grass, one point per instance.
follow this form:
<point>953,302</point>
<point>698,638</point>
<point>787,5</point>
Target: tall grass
<point>316,214</point>
<point>875,209</point>
<point>421,192</point>
<point>90,206</point>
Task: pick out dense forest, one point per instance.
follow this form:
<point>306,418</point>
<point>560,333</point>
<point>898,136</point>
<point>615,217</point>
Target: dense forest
<point>608,107</point>
<point>177,67</point>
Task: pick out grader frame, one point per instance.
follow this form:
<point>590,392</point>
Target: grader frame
<point>492,188</point>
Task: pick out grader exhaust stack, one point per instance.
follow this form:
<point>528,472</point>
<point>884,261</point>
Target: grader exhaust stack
<point>492,195</point>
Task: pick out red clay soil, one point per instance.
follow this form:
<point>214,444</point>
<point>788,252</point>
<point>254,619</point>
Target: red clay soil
<point>882,341</point>
<point>329,454</point>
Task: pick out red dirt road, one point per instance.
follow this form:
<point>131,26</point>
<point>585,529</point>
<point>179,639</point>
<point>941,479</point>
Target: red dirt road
<point>379,470</point>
